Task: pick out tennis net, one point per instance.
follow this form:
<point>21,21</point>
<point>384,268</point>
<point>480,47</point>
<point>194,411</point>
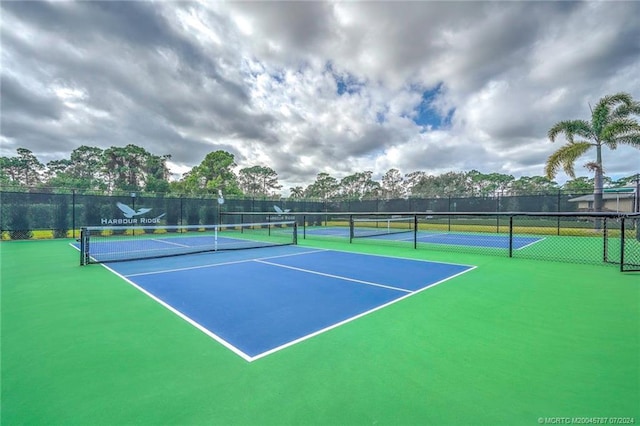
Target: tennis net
<point>101,244</point>
<point>374,226</point>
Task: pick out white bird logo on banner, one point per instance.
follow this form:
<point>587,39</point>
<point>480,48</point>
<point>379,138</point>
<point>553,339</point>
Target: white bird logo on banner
<point>129,212</point>
<point>279,210</point>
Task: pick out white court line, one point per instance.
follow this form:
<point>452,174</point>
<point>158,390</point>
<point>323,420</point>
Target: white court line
<point>334,276</point>
<point>213,265</point>
<point>338,324</point>
<point>435,235</point>
<point>530,244</point>
<point>401,257</point>
<point>249,358</point>
<point>185,317</point>
<point>327,233</point>
<point>421,236</point>
<point>169,242</point>
<point>491,236</point>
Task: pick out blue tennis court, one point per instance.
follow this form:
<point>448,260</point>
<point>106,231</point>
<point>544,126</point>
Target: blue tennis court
<point>500,241</point>
<point>256,302</point>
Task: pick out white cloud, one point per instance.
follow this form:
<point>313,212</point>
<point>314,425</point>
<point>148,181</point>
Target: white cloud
<point>260,80</point>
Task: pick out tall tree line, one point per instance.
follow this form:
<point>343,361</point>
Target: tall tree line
<point>129,168</point>
<point>132,168</point>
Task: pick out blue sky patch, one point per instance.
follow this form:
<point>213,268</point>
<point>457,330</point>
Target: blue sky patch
<point>426,115</point>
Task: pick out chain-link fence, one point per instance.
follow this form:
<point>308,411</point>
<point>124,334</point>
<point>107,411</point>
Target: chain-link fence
<point>630,241</point>
<point>549,227</point>
<point>25,215</point>
<point>41,214</point>
<point>593,238</point>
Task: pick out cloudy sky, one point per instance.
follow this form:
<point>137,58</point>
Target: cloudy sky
<point>308,87</point>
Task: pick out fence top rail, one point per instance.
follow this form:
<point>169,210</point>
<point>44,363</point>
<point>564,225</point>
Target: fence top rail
<point>421,214</point>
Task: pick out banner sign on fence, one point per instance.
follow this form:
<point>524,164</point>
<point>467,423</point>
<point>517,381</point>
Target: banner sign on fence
<point>132,217</point>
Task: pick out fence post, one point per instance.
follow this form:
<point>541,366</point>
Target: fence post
<point>510,235</point>
<point>637,201</point>
<point>622,232</point>
<point>497,211</point>
<point>449,216</point>
<point>558,220</point>
<point>73,213</point>
<point>605,237</point>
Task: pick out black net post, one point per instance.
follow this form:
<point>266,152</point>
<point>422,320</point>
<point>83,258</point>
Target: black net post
<point>351,224</point>
<point>510,236</point>
<point>295,233</point>
<point>84,246</point>
<point>415,231</point>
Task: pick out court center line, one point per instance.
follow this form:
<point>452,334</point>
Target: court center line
<point>334,276</point>
<point>211,265</point>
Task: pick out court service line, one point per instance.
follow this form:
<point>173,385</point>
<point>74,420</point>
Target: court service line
<point>212,265</point>
<point>334,276</point>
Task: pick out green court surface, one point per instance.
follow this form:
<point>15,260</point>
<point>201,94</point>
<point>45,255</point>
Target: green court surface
<point>510,342</point>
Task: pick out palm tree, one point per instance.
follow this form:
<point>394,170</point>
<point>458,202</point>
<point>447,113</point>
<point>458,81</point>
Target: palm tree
<point>611,124</point>
<point>296,192</point>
